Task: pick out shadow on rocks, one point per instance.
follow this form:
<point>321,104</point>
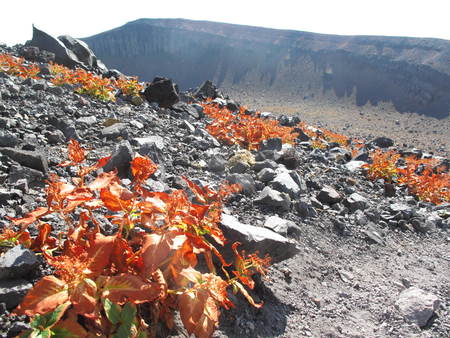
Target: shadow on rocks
<point>244,320</point>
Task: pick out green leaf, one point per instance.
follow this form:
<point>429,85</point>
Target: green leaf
<point>128,313</point>
<point>39,321</point>
<point>112,311</point>
<point>56,315</point>
<point>47,333</point>
<point>142,334</point>
<point>124,331</point>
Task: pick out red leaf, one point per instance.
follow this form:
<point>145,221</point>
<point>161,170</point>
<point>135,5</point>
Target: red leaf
<point>45,296</point>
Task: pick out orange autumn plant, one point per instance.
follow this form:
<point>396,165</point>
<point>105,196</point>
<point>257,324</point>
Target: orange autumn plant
<point>126,283</point>
<point>419,175</point>
<point>17,66</point>
<point>86,82</point>
<point>129,86</point>
<point>428,184</point>
<point>245,130</point>
<point>384,165</point>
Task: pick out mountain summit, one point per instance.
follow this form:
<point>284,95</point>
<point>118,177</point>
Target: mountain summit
<point>412,73</point>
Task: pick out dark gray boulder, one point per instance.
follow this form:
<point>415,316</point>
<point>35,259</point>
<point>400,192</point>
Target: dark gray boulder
<point>120,159</point>
<point>328,195</point>
<point>17,262</point>
<point>162,91</point>
<point>45,41</point>
<point>13,291</point>
<point>31,159</point>
<point>207,90</point>
<point>382,142</point>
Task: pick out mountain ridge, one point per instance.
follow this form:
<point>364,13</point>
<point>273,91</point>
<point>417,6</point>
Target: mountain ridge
<point>412,73</point>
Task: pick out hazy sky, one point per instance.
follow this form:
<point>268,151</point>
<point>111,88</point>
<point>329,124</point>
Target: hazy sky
<point>82,18</point>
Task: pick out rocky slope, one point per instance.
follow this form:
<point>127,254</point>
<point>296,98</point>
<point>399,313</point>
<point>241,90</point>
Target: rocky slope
<point>412,73</point>
<point>353,258</point>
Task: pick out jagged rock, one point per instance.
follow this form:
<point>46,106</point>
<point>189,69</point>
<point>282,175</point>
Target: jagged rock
<point>417,305</point>
<point>18,172</point>
<point>66,126</point>
<point>271,144</point>
<point>49,43</point>
<point>328,195</point>
<point>282,226</point>
<point>121,157</point>
<point>13,291</point>
<point>33,53</point>
<point>55,90</point>
<point>216,163</point>
<point>245,181</point>
<point>283,182</point>
<point>147,142</point>
<point>8,139</point>
<point>399,207</point>
<point>115,131</point>
<point>188,126</point>
<point>80,49</point>
<point>31,159</point>
<point>196,111</point>
<point>17,262</point>
<point>382,142</point>
<point>289,157</point>
<point>355,201</point>
<point>374,235</point>
<point>269,164</point>
<point>55,137</point>
<point>305,209</point>
<point>207,90</point>
<point>88,120</point>
<point>266,175</point>
<point>210,140</point>
<point>162,91</point>
<point>239,168</point>
<point>258,239</point>
<point>9,194</point>
<point>274,199</point>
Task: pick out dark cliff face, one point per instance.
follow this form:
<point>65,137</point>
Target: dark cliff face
<point>412,73</point>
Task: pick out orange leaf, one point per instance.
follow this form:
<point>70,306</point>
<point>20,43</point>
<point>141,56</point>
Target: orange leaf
<point>117,198</point>
<point>84,298</point>
<point>76,153</point>
<point>158,250</point>
<point>99,254</point>
<point>45,296</point>
<point>126,287</point>
<point>199,312</point>
<point>30,218</point>
<point>44,238</point>
<point>103,180</point>
<point>142,168</point>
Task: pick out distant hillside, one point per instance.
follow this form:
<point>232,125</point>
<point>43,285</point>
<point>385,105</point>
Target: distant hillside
<point>412,73</point>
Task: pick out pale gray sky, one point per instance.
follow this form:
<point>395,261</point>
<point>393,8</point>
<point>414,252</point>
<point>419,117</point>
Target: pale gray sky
<point>82,18</point>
